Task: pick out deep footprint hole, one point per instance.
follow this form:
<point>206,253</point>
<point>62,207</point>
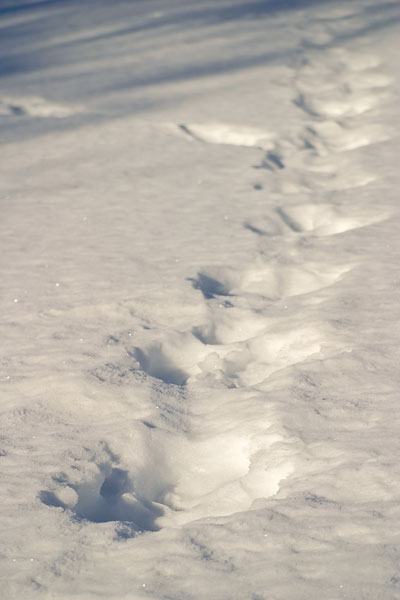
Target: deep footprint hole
<point>209,286</point>
<point>113,499</point>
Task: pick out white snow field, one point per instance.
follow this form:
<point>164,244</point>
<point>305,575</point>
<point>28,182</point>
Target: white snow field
<point>200,298</point>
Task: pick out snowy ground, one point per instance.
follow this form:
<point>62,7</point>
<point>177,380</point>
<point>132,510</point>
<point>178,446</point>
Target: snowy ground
<point>200,299</point>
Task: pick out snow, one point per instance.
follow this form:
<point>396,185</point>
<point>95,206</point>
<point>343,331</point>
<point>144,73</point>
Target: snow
<point>199,242</point>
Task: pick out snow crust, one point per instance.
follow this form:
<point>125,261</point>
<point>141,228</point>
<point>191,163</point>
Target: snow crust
<point>199,291</point>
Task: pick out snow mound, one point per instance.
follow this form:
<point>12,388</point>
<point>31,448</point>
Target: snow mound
<point>36,106</point>
<point>233,135</point>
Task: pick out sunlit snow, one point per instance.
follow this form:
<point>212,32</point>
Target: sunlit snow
<point>200,300</point>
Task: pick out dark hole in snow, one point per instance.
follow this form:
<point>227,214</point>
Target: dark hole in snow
<point>209,286</point>
<point>17,110</point>
<point>254,229</point>
<point>113,499</point>
<point>275,159</point>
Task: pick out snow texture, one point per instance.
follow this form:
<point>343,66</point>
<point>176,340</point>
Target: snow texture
<point>199,291</point>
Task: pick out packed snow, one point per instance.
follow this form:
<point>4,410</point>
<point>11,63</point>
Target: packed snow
<point>200,300</point>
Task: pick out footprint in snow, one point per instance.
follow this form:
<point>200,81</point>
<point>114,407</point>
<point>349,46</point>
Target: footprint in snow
<point>109,496</point>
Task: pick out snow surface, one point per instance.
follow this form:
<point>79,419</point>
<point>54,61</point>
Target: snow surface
<point>200,300</point>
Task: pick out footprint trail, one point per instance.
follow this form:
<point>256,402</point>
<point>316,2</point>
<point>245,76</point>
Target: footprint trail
<point>226,446</point>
